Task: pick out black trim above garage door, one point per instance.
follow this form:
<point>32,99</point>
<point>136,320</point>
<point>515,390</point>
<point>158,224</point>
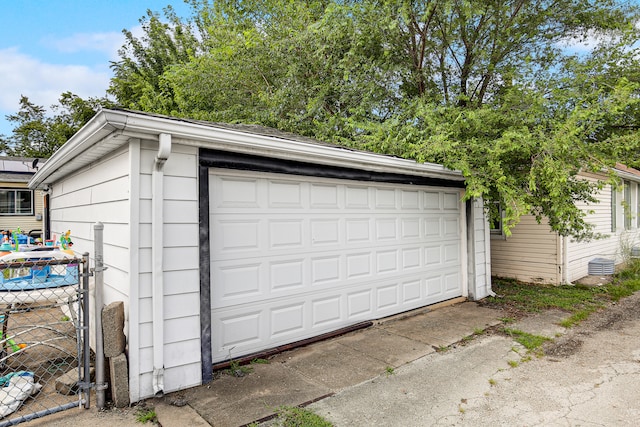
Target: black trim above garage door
<point>222,159</point>
<point>228,160</point>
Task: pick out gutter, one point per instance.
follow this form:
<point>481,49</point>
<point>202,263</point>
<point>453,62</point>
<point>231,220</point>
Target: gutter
<point>157,245</point>
<point>112,128</point>
<point>100,127</point>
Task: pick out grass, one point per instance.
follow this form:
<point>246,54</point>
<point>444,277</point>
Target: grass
<point>289,416</point>
<point>529,341</point>
<point>145,415</point>
<point>237,370</point>
<point>579,301</point>
<point>534,298</point>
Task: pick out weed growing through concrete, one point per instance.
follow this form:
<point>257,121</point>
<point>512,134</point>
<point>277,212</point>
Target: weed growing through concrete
<point>237,370</point>
<point>492,382</point>
<point>529,341</point>
<point>146,415</point>
<point>513,363</point>
<point>299,417</point>
<point>389,370</point>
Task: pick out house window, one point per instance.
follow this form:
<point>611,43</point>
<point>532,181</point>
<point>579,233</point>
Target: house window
<point>495,218</point>
<point>627,205</point>
<point>637,205</point>
<point>614,211</point>
<point>16,201</point>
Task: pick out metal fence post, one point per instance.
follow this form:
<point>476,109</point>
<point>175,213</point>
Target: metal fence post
<point>86,348</point>
<point>99,282</point>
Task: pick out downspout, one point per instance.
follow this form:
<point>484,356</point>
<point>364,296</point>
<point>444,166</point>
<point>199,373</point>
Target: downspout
<point>157,245</point>
<point>565,261</point>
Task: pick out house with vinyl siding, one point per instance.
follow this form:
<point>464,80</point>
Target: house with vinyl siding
<point>20,207</point>
<point>535,253</point>
<point>229,240</point>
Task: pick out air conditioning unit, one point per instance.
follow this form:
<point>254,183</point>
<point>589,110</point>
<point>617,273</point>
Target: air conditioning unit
<point>601,267</point>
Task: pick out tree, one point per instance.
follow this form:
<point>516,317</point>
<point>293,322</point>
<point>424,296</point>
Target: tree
<point>38,135</point>
<point>138,81</point>
<point>483,86</point>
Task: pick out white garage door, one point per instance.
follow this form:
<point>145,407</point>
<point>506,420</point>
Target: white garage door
<point>293,257</point>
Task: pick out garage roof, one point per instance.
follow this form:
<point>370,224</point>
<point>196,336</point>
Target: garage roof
<point>110,129</point>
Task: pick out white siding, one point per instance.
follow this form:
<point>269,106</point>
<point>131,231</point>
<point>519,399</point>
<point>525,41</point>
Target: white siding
<point>481,252</point>
<point>612,246</point>
<point>181,271</point>
<point>535,254</point>
<point>98,192</point>
<point>530,254</point>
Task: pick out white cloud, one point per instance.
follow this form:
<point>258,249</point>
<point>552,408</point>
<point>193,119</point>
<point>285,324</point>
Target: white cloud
<point>107,43</point>
<point>43,83</point>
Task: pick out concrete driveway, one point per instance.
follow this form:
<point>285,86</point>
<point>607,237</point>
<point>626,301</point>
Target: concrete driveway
<point>590,376</point>
<point>391,375</point>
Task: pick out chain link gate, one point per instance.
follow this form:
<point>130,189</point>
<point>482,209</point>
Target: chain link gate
<point>44,334</point>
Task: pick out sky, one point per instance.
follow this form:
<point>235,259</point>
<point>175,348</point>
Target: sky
<point>48,47</point>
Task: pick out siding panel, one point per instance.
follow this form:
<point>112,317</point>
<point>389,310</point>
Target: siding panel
<point>530,254</point>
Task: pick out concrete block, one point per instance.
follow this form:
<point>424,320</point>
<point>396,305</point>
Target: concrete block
<point>119,375</point>
<point>113,329</point>
<point>67,383</point>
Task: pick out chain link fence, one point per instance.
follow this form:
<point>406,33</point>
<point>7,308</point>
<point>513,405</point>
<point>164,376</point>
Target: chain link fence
<point>44,351</point>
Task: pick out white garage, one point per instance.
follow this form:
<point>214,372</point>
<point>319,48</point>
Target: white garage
<point>225,241</point>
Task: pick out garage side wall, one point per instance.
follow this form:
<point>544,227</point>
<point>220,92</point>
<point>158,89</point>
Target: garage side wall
<point>97,193</point>
<point>180,270</point>
<point>480,251</point>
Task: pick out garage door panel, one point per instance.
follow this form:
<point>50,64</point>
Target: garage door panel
<point>359,304</point>
<point>357,197</point>
<point>285,234</point>
<point>387,261</point>
<point>388,297</point>
<point>326,231</point>
<point>410,228</point>
<point>299,256</point>
<point>287,276</point>
<point>236,192</point>
<point>287,320</point>
<point>238,235</point>
<point>450,200</point>
<point>358,230</point>
<point>235,281</point>
<point>384,198</point>
<point>239,281</point>
<point>412,291</point>
<point>325,312</point>
<point>409,200</point>
<point>284,194</point>
<point>359,265</point>
<point>242,330</point>
<point>451,227</point>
